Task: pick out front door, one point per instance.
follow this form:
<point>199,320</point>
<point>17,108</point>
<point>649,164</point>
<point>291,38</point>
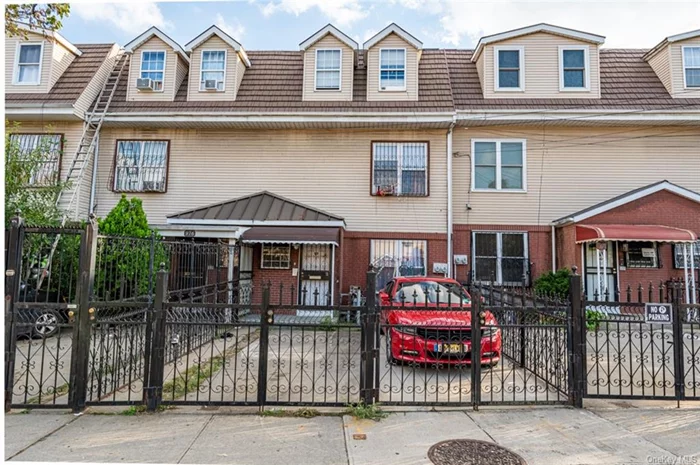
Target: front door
<point>601,270</point>
<point>315,282</point>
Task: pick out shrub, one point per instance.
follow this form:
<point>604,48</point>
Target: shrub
<point>554,284</point>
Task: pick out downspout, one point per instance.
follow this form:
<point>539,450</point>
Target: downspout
<point>450,261</point>
<point>93,181</point>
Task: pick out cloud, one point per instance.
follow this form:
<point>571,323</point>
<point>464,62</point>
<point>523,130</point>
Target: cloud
<point>339,12</point>
<point>132,18</point>
<point>236,30</point>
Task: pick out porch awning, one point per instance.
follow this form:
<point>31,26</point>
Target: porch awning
<point>633,232</point>
<point>290,235</point>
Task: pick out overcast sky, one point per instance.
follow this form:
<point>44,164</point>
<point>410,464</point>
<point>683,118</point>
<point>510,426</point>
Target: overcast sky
<point>283,24</point>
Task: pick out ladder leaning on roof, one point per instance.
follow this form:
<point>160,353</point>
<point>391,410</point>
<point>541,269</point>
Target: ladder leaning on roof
<point>85,151</point>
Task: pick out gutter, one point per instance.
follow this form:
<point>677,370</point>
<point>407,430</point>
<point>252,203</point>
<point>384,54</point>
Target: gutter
<point>450,260</point>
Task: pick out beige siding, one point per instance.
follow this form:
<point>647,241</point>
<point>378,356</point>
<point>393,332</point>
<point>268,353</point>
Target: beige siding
<point>62,57</point>
<point>72,132</point>
<point>229,93</point>
<point>327,169</point>
<point>575,168</point>
<point>480,69</point>
<point>240,71</point>
<point>95,85</point>
<point>679,90</point>
<point>11,55</point>
<point>541,68</point>
<point>181,74</point>
<point>346,67</point>
<point>661,64</point>
<point>412,59</point>
<point>169,80</point>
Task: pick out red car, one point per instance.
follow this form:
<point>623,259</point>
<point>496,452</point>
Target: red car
<point>428,320</point>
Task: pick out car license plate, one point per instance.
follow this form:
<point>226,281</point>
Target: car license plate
<point>449,348</point>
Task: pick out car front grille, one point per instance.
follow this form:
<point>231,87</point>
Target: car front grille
<point>458,335</point>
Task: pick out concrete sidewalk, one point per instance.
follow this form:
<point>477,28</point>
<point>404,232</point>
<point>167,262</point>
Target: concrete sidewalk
<point>541,435</point>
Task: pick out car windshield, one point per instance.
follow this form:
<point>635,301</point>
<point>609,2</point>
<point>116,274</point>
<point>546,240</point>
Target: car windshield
<point>431,292</point>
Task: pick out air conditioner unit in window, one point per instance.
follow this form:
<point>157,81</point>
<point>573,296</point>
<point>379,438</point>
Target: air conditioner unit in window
<point>145,84</point>
<point>152,186</point>
<point>210,84</point>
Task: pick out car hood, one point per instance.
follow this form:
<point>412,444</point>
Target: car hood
<point>430,318</point>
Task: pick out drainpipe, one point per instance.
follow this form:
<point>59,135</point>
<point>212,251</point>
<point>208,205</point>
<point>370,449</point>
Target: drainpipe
<point>93,182</point>
<point>554,249</point>
<point>450,261</point>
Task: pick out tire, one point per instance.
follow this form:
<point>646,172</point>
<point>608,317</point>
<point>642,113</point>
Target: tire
<point>45,324</point>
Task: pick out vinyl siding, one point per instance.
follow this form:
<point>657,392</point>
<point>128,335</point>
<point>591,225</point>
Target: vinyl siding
<point>346,71</point>
<point>169,79</point>
<point>62,58</point>
<point>661,64</point>
<point>578,168</point>
<point>541,68</point>
<point>72,131</point>
<point>90,93</point>
<point>676,51</point>
<point>412,59</point>
<point>326,169</point>
<point>11,44</point>
<point>230,86</point>
<point>181,74</point>
<point>240,71</point>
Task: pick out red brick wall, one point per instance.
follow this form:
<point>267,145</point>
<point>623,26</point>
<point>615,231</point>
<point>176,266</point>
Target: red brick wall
<point>275,277</point>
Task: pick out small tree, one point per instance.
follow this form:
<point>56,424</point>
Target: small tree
<point>554,284</point>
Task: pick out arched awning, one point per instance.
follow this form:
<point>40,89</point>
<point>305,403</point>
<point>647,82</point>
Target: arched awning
<point>633,232</point>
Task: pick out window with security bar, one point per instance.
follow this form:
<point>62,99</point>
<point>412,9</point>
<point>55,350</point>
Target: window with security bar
<point>693,253</point>
<point>276,257</point>
<point>400,169</point>
<point>500,258</point>
<point>141,166</point>
<point>43,151</point>
<point>393,258</point>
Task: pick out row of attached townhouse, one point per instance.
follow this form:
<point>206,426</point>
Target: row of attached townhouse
<point>537,150</point>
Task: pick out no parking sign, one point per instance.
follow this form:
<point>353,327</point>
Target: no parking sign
<point>658,313</point>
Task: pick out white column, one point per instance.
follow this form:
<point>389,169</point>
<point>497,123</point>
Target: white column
<point>685,273</point>
<point>605,269</point>
<point>693,289</point>
<point>597,272</point>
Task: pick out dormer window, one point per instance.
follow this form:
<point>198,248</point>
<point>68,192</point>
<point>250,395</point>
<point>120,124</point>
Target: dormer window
<point>392,69</point>
<point>573,68</point>
<point>691,66</point>
<point>153,68</point>
<point>28,70</point>
<point>213,70</point>
<point>509,68</point>
<point>328,69</point>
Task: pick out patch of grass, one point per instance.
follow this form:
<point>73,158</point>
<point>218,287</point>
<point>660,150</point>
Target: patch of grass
<point>363,411</point>
<point>134,410</point>
<point>299,413</point>
<point>60,391</point>
<point>24,412</point>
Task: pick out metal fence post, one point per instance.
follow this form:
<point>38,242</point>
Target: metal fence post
<point>156,350</point>
<point>678,352</point>
<point>576,343</point>
<point>82,327</point>
<point>476,310</point>
<point>369,333</point>
<point>521,322</point>
<point>12,282</point>
<point>266,319</point>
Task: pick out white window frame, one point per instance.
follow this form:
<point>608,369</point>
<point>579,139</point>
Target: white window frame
<point>140,188</point>
<point>201,70</point>
<point>262,257</point>
<point>685,83</point>
<point>340,70</point>
<point>399,167</point>
<point>586,72</point>
<point>165,66</point>
<point>499,252</point>
<point>405,71</point>
<point>498,166</point>
<point>15,79</point>
<point>398,245</point>
<point>521,55</point>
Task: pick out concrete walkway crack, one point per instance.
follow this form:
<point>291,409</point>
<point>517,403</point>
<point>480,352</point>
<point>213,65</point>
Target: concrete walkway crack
<point>614,423</point>
<point>480,427</point>
<point>43,437</point>
<point>199,433</point>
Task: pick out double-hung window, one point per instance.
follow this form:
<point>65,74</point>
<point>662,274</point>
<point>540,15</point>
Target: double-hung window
<point>141,166</point>
<point>153,68</point>
<point>328,62</point>
<point>691,66</point>
<point>498,165</point>
<point>275,256</point>
<point>43,151</point>
<point>392,69</point>
<point>500,257</point>
<point>509,62</point>
<point>398,258</point>
<point>28,70</point>
<point>213,69</point>
<point>573,68</point>
<point>400,168</point>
